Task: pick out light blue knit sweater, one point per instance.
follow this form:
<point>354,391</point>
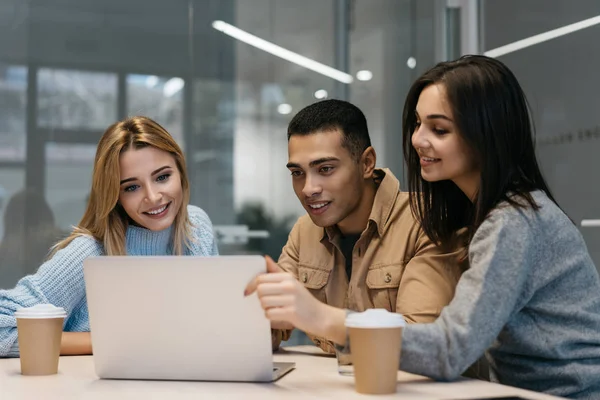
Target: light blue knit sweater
<point>60,280</point>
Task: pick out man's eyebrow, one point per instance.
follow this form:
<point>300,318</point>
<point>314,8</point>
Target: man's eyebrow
<point>322,160</point>
<point>313,162</point>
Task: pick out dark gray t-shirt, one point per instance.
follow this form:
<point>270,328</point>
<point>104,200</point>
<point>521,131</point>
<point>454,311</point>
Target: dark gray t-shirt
<point>347,243</point>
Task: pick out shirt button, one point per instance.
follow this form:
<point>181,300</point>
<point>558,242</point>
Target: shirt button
<point>388,278</point>
<point>304,277</point>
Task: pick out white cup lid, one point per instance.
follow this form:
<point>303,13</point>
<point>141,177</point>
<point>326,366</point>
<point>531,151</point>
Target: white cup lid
<point>375,318</point>
<point>41,311</point>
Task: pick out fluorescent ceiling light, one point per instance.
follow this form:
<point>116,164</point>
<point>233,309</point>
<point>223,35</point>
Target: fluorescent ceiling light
<point>542,37</point>
<point>284,109</point>
<point>364,75</point>
<point>321,94</point>
<point>279,51</point>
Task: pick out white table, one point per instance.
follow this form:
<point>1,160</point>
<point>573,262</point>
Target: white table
<point>315,377</point>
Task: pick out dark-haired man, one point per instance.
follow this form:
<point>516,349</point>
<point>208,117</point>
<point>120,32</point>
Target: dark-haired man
<point>359,247</point>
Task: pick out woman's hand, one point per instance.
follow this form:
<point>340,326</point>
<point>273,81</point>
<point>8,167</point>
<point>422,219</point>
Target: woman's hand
<point>285,300</point>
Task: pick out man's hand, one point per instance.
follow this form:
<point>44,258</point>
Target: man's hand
<point>287,303</point>
<point>282,325</point>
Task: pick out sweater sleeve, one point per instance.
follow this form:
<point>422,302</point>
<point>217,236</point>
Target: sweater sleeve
<point>204,243</point>
<point>58,281</point>
<point>486,296</point>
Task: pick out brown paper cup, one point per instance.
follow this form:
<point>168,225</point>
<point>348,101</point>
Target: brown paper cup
<point>376,358</point>
<point>39,344</point>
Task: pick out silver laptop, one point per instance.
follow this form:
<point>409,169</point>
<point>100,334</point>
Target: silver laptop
<point>179,318</point>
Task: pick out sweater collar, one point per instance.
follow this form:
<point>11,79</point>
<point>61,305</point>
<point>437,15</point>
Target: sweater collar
<point>144,242</point>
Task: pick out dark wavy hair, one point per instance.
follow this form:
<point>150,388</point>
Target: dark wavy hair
<point>492,115</point>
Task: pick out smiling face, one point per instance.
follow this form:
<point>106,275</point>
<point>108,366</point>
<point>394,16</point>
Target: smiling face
<point>329,182</point>
<point>151,192</point>
<point>443,153</point>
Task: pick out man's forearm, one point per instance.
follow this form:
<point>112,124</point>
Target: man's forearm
<point>333,324</point>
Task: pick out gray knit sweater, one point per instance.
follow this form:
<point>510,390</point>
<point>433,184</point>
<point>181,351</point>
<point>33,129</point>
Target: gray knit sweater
<point>531,298</point>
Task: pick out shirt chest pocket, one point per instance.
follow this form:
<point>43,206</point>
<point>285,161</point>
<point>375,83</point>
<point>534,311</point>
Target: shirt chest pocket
<point>314,280</point>
<point>383,283</point>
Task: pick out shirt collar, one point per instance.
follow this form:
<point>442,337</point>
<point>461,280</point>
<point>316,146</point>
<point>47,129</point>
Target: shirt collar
<point>388,187</point>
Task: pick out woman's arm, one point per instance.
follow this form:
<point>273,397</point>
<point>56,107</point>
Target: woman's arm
<point>501,254</point>
<point>59,281</point>
<point>76,344</point>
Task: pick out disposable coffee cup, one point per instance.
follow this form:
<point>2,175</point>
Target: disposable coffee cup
<point>375,345</point>
<point>39,333</point>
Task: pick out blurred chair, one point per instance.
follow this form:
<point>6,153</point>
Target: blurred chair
<point>29,233</point>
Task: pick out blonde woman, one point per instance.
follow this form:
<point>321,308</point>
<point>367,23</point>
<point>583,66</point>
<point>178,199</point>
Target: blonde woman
<point>138,205</point>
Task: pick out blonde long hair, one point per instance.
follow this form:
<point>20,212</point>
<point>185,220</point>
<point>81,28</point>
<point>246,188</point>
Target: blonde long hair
<point>104,218</point>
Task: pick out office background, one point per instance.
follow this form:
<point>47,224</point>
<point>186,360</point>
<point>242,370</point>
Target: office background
<point>69,68</point>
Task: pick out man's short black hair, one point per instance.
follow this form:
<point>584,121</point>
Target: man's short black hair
<point>329,115</point>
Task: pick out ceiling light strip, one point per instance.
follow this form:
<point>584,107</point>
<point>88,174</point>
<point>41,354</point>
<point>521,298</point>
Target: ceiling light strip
<point>281,52</point>
<point>542,37</point>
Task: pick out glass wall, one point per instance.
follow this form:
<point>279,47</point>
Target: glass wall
<point>68,69</point>
<point>561,79</point>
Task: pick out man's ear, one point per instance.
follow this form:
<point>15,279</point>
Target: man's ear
<point>368,159</point>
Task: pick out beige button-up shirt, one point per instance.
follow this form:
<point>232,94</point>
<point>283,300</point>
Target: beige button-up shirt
<point>394,264</point>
